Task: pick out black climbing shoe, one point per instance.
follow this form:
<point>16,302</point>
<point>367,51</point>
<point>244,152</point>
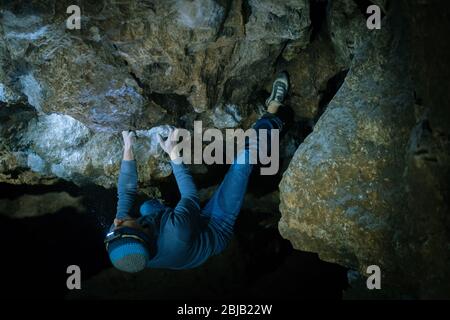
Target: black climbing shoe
<point>280,88</point>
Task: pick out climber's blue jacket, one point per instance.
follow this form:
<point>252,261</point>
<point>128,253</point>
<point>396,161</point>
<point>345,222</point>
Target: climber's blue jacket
<point>187,235</point>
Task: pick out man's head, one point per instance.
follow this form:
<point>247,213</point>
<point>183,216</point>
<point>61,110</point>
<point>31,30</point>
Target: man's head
<point>129,246</point>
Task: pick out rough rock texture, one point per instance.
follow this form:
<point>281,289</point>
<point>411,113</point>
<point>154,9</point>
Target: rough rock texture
<point>360,190</point>
<point>38,149</point>
<point>132,65</point>
<point>204,51</point>
<point>347,26</point>
<point>309,73</point>
<point>59,146</point>
<point>346,22</point>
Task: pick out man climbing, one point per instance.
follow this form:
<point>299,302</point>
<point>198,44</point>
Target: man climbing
<point>186,236</point>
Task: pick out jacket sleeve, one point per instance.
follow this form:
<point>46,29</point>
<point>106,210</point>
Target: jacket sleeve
<point>127,188</point>
<point>189,202</point>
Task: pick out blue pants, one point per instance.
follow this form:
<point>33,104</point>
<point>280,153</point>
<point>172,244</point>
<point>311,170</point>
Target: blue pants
<point>225,204</point>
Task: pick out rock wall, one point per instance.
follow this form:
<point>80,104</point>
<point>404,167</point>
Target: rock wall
<point>370,185</point>
<point>66,94</point>
<point>208,52</point>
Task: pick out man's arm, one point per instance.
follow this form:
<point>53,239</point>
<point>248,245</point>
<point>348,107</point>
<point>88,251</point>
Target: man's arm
<point>126,189</point>
<point>189,201</point>
<point>128,178</point>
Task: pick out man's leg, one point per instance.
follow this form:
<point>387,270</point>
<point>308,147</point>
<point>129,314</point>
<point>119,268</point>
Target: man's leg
<point>226,202</point>
<point>128,180</point>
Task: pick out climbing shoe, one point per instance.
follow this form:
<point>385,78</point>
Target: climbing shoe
<point>280,88</point>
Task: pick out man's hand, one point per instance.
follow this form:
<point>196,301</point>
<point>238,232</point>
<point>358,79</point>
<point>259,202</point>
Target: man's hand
<point>170,143</point>
<point>128,141</point>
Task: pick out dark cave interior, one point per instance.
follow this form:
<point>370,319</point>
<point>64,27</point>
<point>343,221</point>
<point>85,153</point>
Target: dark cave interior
<point>268,266</point>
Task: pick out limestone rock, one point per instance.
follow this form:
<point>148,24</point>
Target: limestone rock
<point>57,145</point>
<point>309,73</point>
<point>209,52</point>
<point>68,75</point>
<point>132,65</point>
<point>352,192</point>
<point>347,28</point>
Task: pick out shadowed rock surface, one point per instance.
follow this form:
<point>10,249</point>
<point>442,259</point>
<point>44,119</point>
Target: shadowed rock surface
<point>363,189</point>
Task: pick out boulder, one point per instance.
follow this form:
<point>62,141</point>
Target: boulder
<point>359,190</point>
